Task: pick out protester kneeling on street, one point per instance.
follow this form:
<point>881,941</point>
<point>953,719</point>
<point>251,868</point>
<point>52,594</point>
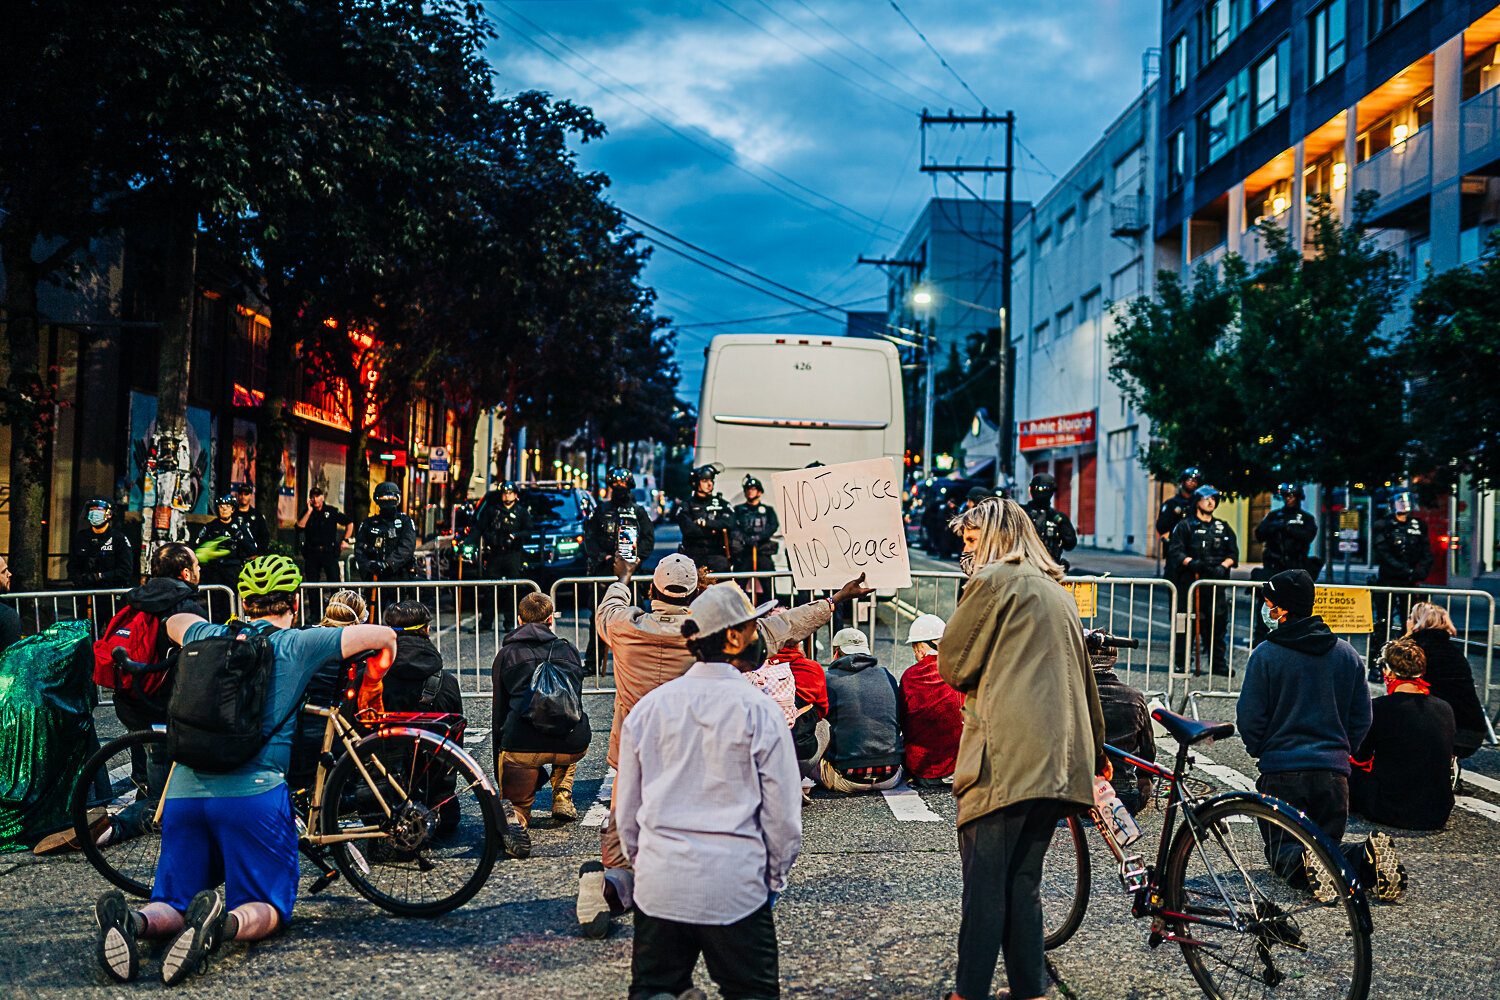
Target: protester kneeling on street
<point>526,746</point>
<point>864,740</point>
<point>1400,774</point>
<point>1127,726</point>
<point>236,825</point>
<point>1303,709</point>
<point>417,681</point>
<point>708,801</point>
<point>931,712</point>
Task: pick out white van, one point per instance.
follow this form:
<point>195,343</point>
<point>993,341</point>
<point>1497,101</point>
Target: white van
<point>771,402</point>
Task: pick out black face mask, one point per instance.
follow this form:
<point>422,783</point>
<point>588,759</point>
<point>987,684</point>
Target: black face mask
<point>621,494</point>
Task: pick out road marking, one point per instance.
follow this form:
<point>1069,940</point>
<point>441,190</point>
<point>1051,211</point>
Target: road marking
<point>1228,775</point>
<point>475,737</point>
<point>1487,783</point>
<point>599,811</point>
<point>1486,809</point>
<point>908,805</point>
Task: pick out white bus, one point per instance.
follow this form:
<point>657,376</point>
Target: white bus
<point>771,403</point>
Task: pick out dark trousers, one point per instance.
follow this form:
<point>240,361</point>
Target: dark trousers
<point>321,564</point>
<point>1001,855</point>
<point>1322,795</point>
<point>741,957</point>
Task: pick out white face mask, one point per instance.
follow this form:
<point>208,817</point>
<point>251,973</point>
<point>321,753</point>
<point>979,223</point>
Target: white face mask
<point>98,517</point>
<point>1265,615</point>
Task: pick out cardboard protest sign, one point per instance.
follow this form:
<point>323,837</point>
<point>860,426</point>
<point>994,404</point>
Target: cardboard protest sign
<point>839,521</point>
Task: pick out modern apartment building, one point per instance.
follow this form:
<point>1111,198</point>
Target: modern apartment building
<point>1267,104</point>
<point>1083,249</point>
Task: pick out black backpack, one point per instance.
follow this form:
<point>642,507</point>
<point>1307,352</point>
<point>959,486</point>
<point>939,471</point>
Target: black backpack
<point>552,705</point>
<point>216,716</point>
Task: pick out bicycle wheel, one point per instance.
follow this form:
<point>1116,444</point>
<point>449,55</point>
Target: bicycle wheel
<point>437,846</point>
<point>1066,879</point>
<point>1244,929</point>
<point>123,779</point>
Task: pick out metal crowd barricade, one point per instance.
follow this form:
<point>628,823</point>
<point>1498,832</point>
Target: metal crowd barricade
<point>40,609</point>
<point>469,617</point>
<point>1228,611</point>
<point>1140,608</point>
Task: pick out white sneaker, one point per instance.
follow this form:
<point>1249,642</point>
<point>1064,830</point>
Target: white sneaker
<point>593,908</point>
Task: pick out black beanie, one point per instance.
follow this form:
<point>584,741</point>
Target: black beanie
<point>1291,590</point>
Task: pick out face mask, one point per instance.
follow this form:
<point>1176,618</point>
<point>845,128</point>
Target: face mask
<point>1265,616</point>
<point>98,518</point>
<point>755,653</point>
<point>621,494</point>
<point>966,563</point>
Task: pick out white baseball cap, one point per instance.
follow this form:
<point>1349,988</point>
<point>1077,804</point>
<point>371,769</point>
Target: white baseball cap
<point>675,576</point>
<point>722,606</point>
<point>925,628</point>
<point>851,640</point>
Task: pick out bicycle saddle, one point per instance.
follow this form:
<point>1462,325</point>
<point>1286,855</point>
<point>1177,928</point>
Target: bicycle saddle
<point>1189,731</point>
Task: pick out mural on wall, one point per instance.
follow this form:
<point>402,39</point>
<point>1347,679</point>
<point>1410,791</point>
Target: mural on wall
<point>200,454</point>
<point>242,468</point>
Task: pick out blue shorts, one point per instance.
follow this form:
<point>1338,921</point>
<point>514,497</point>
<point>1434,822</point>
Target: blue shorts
<point>247,842</point>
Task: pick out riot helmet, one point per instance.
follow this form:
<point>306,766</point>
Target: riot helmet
<point>1192,474</point>
<point>621,484</point>
<point>751,483</point>
<point>509,487</point>
<point>1043,488</point>
<point>1403,502</point>
<point>704,474</point>
<point>388,497</point>
<point>226,500</point>
<point>97,511</point>
<point>1290,491</point>
<point>1206,492</point>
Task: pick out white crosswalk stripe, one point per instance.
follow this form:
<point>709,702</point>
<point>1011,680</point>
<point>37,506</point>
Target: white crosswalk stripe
<point>599,811</point>
<point>1486,809</point>
<point>907,805</point>
<point>1483,781</point>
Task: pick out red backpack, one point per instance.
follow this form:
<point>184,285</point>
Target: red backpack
<point>140,635</point>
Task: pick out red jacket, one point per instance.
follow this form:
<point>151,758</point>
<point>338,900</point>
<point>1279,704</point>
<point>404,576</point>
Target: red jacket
<point>812,684</point>
<point>931,720</point>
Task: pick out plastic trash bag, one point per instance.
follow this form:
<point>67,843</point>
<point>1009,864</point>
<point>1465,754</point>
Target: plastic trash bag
<point>47,700</point>
<point>552,705</point>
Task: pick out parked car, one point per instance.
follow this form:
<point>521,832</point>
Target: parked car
<point>554,549</point>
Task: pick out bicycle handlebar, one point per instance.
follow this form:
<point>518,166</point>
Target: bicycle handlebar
<point>125,664</point>
<point>1099,639</point>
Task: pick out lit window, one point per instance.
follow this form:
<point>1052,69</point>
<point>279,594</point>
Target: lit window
<point>1266,104</point>
<point>1326,40</point>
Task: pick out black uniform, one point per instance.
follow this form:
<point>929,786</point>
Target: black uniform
<point>1206,544</point>
<point>706,523</point>
<point>100,560</point>
<point>255,521</point>
<point>1403,556</point>
<point>1052,527</point>
<point>1176,509</point>
<point>503,532</point>
<point>755,525</point>
<point>320,543</point>
<point>1285,534</point>
<point>601,534</point>
<point>240,548</point>
<point>385,546</point>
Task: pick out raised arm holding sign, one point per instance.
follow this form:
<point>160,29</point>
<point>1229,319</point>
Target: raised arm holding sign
<point>842,520</point>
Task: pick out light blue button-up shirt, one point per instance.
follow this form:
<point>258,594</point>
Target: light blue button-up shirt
<point>708,798</point>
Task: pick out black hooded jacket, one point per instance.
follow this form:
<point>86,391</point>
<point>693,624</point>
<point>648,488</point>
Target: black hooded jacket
<point>520,654</point>
<point>417,662</point>
<point>862,714</point>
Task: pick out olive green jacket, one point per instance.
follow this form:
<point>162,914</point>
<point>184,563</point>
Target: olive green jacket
<point>1033,728</point>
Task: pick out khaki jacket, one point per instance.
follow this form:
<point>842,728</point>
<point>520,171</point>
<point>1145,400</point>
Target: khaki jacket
<point>1033,728</point>
<point>649,649</point>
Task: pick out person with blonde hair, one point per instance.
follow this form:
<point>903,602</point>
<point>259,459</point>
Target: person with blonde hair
<point>344,608</point>
<point>1448,675</point>
<point>1033,739</point>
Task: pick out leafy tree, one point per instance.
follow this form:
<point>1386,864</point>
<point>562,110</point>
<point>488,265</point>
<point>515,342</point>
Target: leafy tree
<point>1452,352</point>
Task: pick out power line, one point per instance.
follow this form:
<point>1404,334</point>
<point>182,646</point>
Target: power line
<point>731,158</point>
<point>736,278</point>
<point>875,55</point>
<point>783,315</point>
<point>935,52</point>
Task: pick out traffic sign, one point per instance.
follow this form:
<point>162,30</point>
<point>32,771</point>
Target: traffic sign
<point>437,458</point>
<point>1348,546</point>
<point>1349,533</point>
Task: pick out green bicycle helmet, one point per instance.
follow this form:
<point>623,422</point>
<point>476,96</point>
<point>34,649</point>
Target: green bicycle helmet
<point>269,575</point>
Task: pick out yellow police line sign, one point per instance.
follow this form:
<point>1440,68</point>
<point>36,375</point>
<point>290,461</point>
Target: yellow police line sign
<point>1345,610</point>
<point>1086,596</point>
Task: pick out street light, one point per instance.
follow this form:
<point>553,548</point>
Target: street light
<point>921,297</point>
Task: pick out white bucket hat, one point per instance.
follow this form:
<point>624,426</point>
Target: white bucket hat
<point>925,628</point>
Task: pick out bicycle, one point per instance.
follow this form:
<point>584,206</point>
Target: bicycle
<point>1214,892</point>
<point>404,813</point>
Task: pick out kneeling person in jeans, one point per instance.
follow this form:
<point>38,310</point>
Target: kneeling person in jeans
<point>709,805</point>
<point>235,827</point>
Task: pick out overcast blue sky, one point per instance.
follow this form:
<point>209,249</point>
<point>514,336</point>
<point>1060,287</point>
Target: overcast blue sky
<point>782,134</point>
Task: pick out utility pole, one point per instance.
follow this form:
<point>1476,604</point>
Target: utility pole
<point>985,119</point>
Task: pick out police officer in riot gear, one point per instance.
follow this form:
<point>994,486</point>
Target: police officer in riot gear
<point>1180,506</point>
<point>385,544</point>
<point>602,531</point>
<point>706,520</point>
<point>1202,547</point>
<point>1052,526</point>
<point>1285,534</point>
<point>245,510</point>
<point>504,523</point>
<point>101,557</point>
<point>1403,556</point>
<point>755,527</point>
<point>236,545</point>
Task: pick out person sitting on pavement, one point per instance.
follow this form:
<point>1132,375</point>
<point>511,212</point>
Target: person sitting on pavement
<point>1303,709</point>
<point>1401,773</point>
<point>810,728</point>
<point>931,712</point>
<point>708,803</point>
<point>1127,726</point>
<point>236,827</point>
<point>649,650</point>
<point>864,731</point>
<point>417,681</point>
<point>775,678</point>
<point>1448,675</point>
<point>522,751</point>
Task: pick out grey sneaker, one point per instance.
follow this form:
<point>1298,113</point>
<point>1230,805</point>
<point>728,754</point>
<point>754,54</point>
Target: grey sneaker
<point>189,950</point>
<point>114,946</point>
<point>1319,880</point>
<point>1390,873</point>
<point>593,907</point>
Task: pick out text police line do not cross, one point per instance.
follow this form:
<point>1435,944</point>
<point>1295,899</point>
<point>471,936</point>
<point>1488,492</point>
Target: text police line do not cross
<point>842,520</point>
